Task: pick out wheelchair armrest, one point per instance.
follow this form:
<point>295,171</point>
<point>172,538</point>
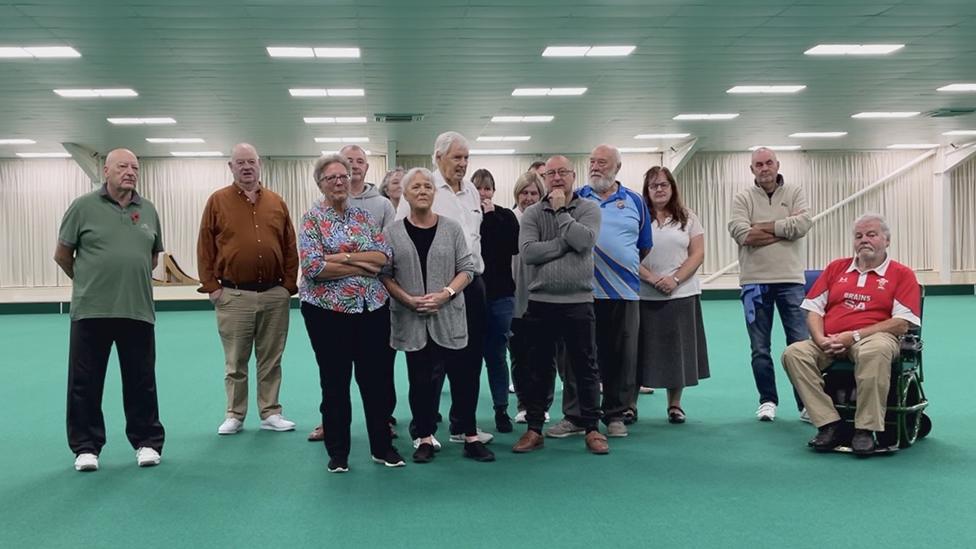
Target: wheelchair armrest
<point>911,346</point>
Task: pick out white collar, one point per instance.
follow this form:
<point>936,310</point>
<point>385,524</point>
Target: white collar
<point>880,269</point>
<point>439,181</point>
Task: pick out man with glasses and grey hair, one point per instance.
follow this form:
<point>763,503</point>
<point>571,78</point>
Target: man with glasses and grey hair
<point>857,309</point>
<point>247,258</point>
<point>457,198</point>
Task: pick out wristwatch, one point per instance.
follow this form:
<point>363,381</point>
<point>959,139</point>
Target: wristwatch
<point>676,280</point>
<point>856,335</point>
<point>451,291</point>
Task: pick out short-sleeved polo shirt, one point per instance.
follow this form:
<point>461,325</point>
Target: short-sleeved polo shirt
<point>114,247</point>
<point>625,229</point>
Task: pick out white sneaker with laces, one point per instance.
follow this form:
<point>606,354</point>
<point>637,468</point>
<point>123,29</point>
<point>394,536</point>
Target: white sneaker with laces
<point>277,422</point>
<point>483,437</point>
<point>147,457</point>
<point>433,442</point>
<point>230,426</point>
<point>520,417</point>
<point>805,416</point>
<point>766,411</point>
<point>86,462</point>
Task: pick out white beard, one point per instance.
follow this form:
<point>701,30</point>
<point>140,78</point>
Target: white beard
<point>601,184</point>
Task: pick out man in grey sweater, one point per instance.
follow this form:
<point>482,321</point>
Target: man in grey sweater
<point>556,246</point>
<point>769,219</point>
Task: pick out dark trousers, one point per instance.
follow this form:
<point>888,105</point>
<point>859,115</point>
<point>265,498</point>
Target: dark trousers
<point>342,342</point>
<point>475,312</point>
<point>89,349</point>
<point>518,349</point>
<point>425,370</point>
<point>573,324</point>
<point>786,298</point>
<point>498,327</point>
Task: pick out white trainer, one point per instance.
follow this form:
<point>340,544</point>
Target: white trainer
<point>277,422</point>
<point>520,417</point>
<point>433,442</point>
<point>86,462</point>
<point>483,437</point>
<point>766,411</point>
<point>805,416</point>
<point>230,426</point>
<point>147,457</point>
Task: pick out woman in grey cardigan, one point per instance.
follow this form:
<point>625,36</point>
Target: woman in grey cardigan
<point>430,268</point>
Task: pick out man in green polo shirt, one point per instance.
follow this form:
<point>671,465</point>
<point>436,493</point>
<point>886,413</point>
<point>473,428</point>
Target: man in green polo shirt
<point>108,245</point>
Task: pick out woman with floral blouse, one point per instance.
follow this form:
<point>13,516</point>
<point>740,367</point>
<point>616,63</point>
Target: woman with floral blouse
<point>344,306</point>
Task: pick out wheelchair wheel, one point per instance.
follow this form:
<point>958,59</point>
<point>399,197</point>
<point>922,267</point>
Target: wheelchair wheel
<point>909,425</point>
<point>926,426</point>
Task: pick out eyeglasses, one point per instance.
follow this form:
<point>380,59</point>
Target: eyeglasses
<point>563,172</point>
<point>656,186</point>
<point>333,178</point>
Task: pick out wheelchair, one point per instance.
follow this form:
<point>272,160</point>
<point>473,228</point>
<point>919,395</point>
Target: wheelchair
<point>905,417</point>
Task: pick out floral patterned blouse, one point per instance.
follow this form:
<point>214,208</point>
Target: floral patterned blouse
<point>325,231</point>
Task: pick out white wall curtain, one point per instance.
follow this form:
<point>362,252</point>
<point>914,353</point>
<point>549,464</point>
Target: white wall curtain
<point>963,182</point>
<point>710,180</point>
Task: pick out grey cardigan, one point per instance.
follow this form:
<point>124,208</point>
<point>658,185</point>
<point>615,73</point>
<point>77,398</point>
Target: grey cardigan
<point>448,256</point>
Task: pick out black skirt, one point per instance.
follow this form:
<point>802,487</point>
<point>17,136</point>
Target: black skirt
<point>672,352</point>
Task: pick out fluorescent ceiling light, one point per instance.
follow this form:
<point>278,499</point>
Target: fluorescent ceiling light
<point>957,88</point>
<point>900,114</point>
<point>777,147</point>
<point>766,89</point>
<point>175,140</point>
<point>505,138</point>
<point>637,149</point>
<point>588,51</point>
<point>817,134</point>
<point>104,92</point>
<point>323,92</point>
<point>909,146</point>
<point>44,155</point>
<point>723,116</point>
<point>14,53</point>
<point>44,52</point>
<point>141,121</point>
<point>17,142</point>
<point>337,52</point>
<point>335,119</point>
<point>342,140</point>
<point>538,92</point>
<point>853,49</point>
<point>367,151</point>
<point>662,136</point>
<point>960,132</point>
<point>290,52</point>
<point>196,154</point>
<point>491,151</point>
<point>543,118</point>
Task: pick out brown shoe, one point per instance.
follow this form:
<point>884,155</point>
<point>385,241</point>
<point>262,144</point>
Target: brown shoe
<point>597,443</point>
<point>528,442</point>
<point>317,434</point>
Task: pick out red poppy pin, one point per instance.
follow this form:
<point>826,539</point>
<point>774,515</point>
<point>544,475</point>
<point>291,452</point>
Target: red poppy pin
<point>134,217</point>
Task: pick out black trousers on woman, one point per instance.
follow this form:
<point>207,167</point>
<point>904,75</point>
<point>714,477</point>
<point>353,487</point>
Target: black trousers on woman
<point>344,342</point>
<point>90,346</point>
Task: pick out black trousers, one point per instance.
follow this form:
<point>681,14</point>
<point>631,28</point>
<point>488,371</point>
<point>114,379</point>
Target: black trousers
<point>89,348</point>
<point>518,349</point>
<point>574,325</point>
<point>425,370</point>
<point>344,343</point>
<point>467,367</point>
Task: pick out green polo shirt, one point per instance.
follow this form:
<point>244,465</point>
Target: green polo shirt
<point>114,247</point>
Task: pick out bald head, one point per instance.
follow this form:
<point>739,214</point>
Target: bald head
<point>121,171</point>
<point>559,174</point>
<point>245,164</point>
<point>605,162</point>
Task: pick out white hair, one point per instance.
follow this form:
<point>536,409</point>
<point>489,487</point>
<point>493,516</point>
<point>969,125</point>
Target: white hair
<point>324,162</point>
<point>445,141</point>
<point>871,216</point>
<point>412,172</point>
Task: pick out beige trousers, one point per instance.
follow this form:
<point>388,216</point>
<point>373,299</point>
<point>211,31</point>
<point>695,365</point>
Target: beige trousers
<point>258,320</point>
<point>872,356</point>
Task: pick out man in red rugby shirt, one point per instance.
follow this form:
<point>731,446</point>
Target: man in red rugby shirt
<point>857,310</point>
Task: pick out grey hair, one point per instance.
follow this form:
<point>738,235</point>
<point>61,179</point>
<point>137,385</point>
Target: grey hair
<point>616,154</point>
<point>412,172</point>
<point>444,142</point>
<point>324,162</point>
<point>387,178</point>
<point>353,146</point>
<point>871,216</point>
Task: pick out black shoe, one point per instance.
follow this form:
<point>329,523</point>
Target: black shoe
<point>863,442</point>
<point>391,458</point>
<point>503,423</point>
<point>424,453</point>
<point>478,451</point>
<point>338,465</point>
<point>630,417</point>
<point>828,437</point>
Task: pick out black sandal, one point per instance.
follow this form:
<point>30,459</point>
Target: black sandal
<point>676,414</point>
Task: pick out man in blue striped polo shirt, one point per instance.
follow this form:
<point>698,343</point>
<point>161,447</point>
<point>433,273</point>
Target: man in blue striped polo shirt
<point>625,238</point>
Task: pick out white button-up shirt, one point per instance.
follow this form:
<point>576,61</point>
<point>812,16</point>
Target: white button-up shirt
<point>463,207</point>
